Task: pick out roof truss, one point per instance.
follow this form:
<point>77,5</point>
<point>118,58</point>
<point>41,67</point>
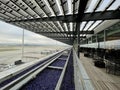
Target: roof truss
<point>108,15</point>
<point>53,18</point>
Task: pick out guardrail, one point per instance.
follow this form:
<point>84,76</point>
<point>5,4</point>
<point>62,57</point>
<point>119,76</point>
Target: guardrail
<point>113,44</point>
<point>81,79</point>
<point>13,82</point>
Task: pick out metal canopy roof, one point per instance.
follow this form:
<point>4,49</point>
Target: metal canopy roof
<point>59,19</point>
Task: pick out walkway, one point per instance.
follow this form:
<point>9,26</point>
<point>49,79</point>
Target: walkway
<point>100,79</point>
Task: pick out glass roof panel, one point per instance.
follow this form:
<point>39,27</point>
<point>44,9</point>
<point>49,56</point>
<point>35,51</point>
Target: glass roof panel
<point>115,5</point>
<point>69,6</point>
<point>82,25</point>
<point>66,28</point>
<point>46,2</point>
<point>88,25</point>
<point>104,4</point>
<point>81,34</point>
<point>92,5</point>
<point>95,24</point>
<point>71,26</point>
<point>84,34</point>
<point>59,6</point>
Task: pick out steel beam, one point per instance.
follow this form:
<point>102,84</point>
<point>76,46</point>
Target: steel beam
<point>63,37</point>
<point>107,15</point>
<point>81,32</point>
<point>81,9</point>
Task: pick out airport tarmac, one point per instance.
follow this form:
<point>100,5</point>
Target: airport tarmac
<point>10,54</point>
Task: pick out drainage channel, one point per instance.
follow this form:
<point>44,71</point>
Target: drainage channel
<point>8,83</point>
<point>49,77</point>
<point>68,80</point>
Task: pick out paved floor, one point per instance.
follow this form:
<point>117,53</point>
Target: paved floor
<point>100,79</point>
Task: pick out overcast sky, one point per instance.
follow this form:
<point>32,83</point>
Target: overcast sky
<point>13,34</point>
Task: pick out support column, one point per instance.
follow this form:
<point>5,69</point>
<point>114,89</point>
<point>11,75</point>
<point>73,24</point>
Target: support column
<point>78,38</point>
<point>104,38</point>
<point>22,45</point>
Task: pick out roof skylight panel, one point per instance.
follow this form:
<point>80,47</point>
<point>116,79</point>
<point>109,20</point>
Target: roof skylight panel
<point>24,7</point>
<point>40,24</point>
<point>76,6</point>
<point>45,24</point>
<point>4,16</point>
<point>13,9</point>
<point>48,5</point>
<point>60,25</point>
<point>81,34</point>
<point>35,8</point>
<point>66,28</point>
<point>45,7</point>
<point>1,18</point>
<point>95,24</point>
<point>74,26</point>
<point>63,25</point>
<point>88,4</point>
<point>104,4</point>
<point>65,35</point>
<point>84,34</point>
<point>82,25</point>
<point>68,25</point>
<point>7,13</point>
<point>92,5</point>
<point>17,9</point>
<point>70,5</point>
<point>88,25</point>
<point>4,8</point>
<point>31,8</point>
<point>71,26</point>
<point>85,26</point>
<point>115,5</point>
<point>59,7</point>
<point>13,6</point>
<point>53,27</point>
<point>54,7</point>
<point>64,4</point>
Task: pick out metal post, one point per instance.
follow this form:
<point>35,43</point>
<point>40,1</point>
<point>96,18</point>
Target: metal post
<point>91,40</point>
<point>78,37</point>
<point>23,44</point>
<point>104,38</point>
<point>97,44</point>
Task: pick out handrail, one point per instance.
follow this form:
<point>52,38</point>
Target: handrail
<point>81,78</point>
<point>17,83</point>
<point>42,59</point>
<point>32,75</point>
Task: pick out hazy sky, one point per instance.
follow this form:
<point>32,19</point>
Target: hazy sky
<point>13,34</point>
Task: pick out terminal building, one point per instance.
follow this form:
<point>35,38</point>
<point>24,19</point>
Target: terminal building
<point>91,27</point>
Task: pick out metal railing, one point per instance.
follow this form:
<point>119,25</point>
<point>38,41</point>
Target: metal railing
<point>81,79</point>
